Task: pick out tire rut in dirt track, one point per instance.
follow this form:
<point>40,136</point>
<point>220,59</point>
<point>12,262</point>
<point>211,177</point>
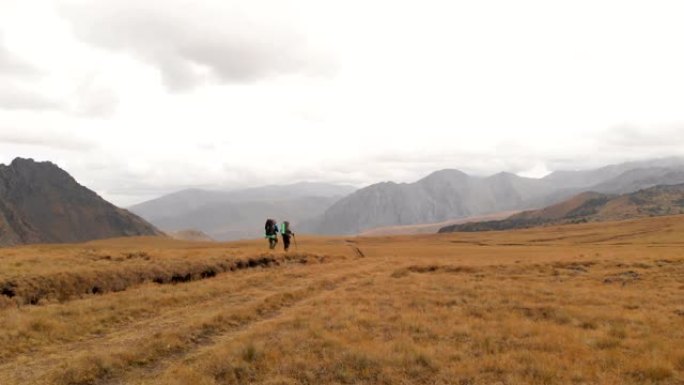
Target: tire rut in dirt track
<point>136,324</point>
<point>166,317</point>
<point>264,306</point>
<point>153,371</point>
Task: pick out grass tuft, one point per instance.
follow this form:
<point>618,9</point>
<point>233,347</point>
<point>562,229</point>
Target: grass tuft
<point>653,374</point>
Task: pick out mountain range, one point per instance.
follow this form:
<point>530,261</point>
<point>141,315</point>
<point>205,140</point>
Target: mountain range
<point>230,215</point>
<point>446,196</point>
<point>451,194</point>
<point>590,207</point>
<point>41,203</point>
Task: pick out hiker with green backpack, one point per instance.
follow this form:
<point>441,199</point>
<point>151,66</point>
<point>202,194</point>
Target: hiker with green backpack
<point>286,234</point>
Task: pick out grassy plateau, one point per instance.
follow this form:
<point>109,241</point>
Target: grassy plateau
<point>596,303</point>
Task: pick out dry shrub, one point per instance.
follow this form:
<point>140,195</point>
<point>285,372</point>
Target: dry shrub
<point>546,313</point>
<point>441,269</point>
<point>577,267</point>
<point>400,273</point>
<point>538,374</point>
<point>6,303</point>
<point>184,375</point>
<point>419,365</point>
<point>85,370</point>
<point>354,366</point>
<point>605,343</point>
<point>250,353</point>
<point>652,374</point>
<point>280,380</point>
<point>618,332</point>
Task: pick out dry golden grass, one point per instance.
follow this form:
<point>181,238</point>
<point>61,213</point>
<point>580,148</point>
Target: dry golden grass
<point>582,304</point>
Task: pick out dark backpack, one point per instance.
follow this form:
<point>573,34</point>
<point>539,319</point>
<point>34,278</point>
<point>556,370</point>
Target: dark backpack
<point>270,227</point>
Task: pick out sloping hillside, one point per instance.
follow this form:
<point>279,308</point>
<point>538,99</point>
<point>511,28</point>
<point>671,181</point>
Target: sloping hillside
<point>590,207</point>
<point>431,228</point>
<point>41,203</point>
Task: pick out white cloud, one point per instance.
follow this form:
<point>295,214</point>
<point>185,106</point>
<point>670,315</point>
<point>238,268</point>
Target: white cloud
<point>14,97</point>
<point>198,42</point>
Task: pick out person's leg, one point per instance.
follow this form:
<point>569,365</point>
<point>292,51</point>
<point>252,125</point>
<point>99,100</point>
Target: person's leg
<point>286,242</point>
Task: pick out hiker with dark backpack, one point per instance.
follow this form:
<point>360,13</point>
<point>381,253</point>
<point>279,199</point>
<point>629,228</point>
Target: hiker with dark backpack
<point>286,233</point>
<point>271,233</point>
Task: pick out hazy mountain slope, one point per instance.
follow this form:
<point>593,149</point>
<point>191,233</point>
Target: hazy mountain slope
<point>296,211</point>
<point>191,235</point>
<point>591,207</point>
<point>641,178</point>
<point>431,228</point>
<point>239,220</point>
<point>240,214</point>
<point>441,196</point>
<point>628,181</point>
<point>569,208</point>
<point>291,191</point>
<point>177,203</point>
<point>39,203</point>
<point>588,178</point>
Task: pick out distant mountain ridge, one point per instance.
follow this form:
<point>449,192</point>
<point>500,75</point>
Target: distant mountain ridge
<point>592,177</point>
<point>191,235</point>
<point>41,203</point>
<point>441,196</point>
<point>231,215</point>
<point>590,207</point>
<point>451,194</point>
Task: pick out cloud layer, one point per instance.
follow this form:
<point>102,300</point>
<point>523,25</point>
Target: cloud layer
<point>350,92</point>
<point>11,65</point>
<point>14,93</point>
<point>192,43</point>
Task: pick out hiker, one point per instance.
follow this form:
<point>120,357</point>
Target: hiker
<point>271,233</point>
<point>286,233</point>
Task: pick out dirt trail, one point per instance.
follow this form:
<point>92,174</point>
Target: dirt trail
<point>227,314</point>
<point>150,374</point>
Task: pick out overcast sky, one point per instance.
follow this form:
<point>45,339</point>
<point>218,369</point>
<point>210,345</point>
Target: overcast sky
<point>137,98</point>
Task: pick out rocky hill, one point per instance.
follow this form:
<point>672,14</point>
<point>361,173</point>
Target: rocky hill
<point>590,207</point>
<point>41,203</point>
